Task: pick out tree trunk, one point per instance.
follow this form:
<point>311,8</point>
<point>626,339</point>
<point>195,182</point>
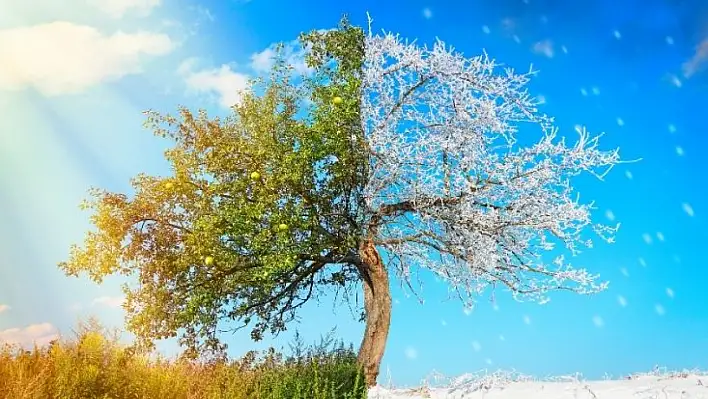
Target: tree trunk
<point>377,307</point>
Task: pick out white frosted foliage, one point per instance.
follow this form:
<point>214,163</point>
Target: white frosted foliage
<point>453,189</point>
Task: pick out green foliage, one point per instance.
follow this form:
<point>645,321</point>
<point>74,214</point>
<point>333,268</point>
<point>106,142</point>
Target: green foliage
<point>95,365</point>
<point>206,243</point>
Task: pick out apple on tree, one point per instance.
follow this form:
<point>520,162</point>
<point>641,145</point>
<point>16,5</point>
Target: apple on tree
<point>209,260</point>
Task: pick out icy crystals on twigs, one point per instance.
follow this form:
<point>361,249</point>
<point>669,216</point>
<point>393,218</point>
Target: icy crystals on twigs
<point>482,208</point>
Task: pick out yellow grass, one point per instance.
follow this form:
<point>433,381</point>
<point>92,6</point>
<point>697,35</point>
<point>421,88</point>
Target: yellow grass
<point>95,365</point>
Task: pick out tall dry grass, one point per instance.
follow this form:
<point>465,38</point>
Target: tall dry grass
<point>93,364</point>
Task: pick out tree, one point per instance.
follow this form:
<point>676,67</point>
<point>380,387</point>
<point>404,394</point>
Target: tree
<point>406,158</point>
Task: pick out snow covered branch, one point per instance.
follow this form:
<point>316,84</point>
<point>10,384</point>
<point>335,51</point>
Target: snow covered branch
<point>468,178</point>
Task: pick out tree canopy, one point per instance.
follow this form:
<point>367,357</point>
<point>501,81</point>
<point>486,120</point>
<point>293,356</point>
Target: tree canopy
<point>258,204</point>
<point>387,148</point>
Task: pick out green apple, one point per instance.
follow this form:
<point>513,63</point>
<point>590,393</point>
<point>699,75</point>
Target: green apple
<point>282,227</point>
<point>255,175</point>
<point>209,260</point>
<point>337,100</point>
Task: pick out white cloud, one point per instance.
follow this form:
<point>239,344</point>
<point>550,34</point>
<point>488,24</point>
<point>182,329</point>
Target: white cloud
<point>42,334</point>
<point>4,308</point>
<point>294,55</point>
<point>118,8</point>
<point>263,60</point>
<point>63,58</point>
<point>223,82</point>
<point>109,301</point>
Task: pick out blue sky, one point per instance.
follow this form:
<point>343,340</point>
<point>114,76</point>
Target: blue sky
<point>80,74</point>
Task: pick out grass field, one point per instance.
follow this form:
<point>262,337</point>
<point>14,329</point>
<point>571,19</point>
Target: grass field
<point>94,365</point>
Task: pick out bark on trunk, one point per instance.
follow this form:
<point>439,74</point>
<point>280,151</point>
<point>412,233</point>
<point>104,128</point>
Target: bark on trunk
<point>377,307</point>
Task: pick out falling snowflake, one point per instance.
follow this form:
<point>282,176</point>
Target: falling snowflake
<point>486,29</point>
<point>427,13</point>
<point>622,301</point>
<point>660,236</point>
<point>597,321</point>
<point>675,81</point>
<point>617,34</point>
<point>642,262</point>
<point>527,320</point>
<point>669,292</point>
<point>488,361</point>
<point>495,307</point>
<point>669,40</point>
<point>516,38</point>
<point>620,122</point>
<point>679,151</point>
<point>647,238</point>
<point>502,338</point>
<point>659,309</point>
<point>672,128</point>
<point>688,209</point>
<point>610,215</point>
<point>544,47</point>
<point>411,353</point>
<point>564,49</point>
<point>541,99</point>
<point>629,175</point>
<point>583,91</point>
<point>595,90</point>
<point>443,322</point>
<point>677,259</point>
<point>476,346</point>
<point>624,271</point>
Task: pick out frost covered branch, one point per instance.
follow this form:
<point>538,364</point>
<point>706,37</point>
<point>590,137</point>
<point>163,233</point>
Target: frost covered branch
<point>459,183</point>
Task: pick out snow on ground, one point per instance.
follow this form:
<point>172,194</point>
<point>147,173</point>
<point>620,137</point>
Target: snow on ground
<point>655,385</point>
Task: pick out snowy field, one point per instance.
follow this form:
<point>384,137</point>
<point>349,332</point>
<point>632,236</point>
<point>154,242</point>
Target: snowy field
<point>659,385</point>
